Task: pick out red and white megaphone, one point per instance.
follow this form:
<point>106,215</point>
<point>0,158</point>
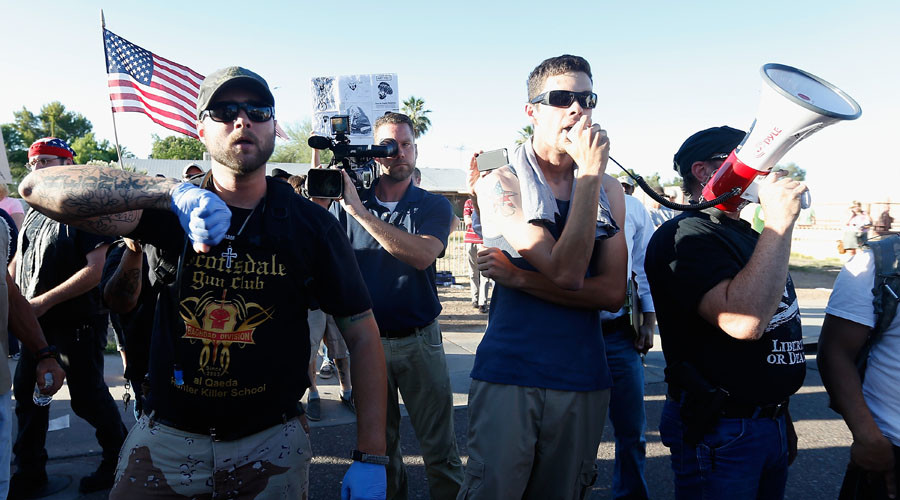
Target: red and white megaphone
<point>793,105</point>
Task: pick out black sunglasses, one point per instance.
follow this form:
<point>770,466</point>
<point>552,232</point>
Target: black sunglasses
<point>228,111</point>
<point>565,98</point>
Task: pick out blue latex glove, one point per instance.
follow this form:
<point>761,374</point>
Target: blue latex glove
<point>364,482</point>
<point>203,215</point>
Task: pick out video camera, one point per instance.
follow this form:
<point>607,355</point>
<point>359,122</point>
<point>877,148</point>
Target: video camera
<point>358,160</point>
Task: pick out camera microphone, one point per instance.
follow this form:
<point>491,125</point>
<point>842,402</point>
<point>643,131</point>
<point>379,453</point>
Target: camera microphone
<point>319,142</point>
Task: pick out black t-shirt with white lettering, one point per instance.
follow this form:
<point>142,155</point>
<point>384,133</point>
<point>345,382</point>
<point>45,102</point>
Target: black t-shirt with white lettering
<point>234,320</point>
<point>688,256</point>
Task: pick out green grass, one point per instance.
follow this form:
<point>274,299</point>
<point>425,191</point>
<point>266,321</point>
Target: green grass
<point>807,263</point>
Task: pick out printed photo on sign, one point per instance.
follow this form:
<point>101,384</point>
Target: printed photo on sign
<point>363,98</point>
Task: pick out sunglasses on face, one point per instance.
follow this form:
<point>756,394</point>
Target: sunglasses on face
<point>565,98</point>
<point>228,111</point>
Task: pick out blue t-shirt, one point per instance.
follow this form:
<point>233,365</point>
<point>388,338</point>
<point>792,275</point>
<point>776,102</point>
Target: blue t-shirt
<point>530,342</point>
<point>402,296</point>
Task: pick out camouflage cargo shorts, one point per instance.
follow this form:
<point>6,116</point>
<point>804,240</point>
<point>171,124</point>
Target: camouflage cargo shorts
<point>159,461</point>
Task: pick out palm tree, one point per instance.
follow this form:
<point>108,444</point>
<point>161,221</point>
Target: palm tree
<point>415,109</point>
<point>524,134</point>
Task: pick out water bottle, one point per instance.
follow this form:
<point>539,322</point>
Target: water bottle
<point>43,399</point>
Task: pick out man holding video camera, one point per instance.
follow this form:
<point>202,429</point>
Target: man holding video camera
<point>730,329</point>
<point>397,231</point>
<point>238,261</point>
<point>540,384</point>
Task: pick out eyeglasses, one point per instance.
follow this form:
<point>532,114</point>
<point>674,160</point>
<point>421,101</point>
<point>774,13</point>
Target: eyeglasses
<point>42,162</point>
<point>565,98</point>
<point>228,112</point>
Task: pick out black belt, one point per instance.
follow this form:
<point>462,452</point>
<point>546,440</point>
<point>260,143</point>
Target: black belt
<point>619,324</point>
<point>228,433</point>
<point>772,411</point>
<point>402,332</point>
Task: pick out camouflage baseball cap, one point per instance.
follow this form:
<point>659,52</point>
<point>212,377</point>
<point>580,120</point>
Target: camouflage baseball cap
<point>229,77</point>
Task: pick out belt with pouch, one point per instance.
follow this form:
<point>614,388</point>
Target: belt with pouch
<point>230,432</point>
<point>733,410</point>
<point>402,332</point>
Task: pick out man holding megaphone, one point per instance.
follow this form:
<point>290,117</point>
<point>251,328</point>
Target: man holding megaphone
<point>730,328</point>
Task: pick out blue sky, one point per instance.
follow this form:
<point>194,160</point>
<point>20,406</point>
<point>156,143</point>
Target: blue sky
<point>662,70</point>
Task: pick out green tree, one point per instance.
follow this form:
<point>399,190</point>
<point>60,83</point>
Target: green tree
<point>87,148</point>
<point>67,125</point>
<point>524,133</point>
<point>793,170</point>
<point>53,121</point>
<point>296,149</point>
<point>415,109</point>
<point>176,148</point>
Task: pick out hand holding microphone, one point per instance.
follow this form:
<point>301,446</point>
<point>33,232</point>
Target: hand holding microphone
<point>589,146</point>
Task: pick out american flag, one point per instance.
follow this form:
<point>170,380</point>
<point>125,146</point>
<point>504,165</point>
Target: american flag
<point>142,82</point>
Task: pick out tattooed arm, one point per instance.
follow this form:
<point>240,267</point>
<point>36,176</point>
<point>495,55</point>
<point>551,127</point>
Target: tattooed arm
<point>369,376</point>
<point>603,290</point>
<point>123,289</point>
<point>101,200</point>
<point>564,261</point>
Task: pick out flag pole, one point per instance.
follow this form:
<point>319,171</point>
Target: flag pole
<point>111,110</point>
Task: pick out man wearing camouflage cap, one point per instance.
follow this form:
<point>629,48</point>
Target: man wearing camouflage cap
<point>238,262</point>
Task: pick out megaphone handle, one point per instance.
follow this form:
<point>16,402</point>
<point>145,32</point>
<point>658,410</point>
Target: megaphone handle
<point>805,199</point>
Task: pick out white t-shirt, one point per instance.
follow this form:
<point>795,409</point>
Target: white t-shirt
<point>851,299</point>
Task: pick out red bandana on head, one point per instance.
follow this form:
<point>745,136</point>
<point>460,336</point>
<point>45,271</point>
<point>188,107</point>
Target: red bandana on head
<point>50,146</point>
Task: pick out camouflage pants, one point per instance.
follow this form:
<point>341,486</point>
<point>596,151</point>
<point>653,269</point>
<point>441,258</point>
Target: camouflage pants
<point>158,461</point>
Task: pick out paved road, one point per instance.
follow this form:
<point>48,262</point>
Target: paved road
<point>824,440</point>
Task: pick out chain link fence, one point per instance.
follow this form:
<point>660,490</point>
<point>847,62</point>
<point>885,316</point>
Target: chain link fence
<point>455,259</point>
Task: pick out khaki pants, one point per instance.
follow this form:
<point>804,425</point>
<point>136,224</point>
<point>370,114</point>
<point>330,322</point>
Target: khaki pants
<point>416,366</point>
<point>158,461</point>
<point>532,443</point>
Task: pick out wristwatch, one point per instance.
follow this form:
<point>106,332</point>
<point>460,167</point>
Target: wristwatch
<point>369,459</point>
<point>48,352</point>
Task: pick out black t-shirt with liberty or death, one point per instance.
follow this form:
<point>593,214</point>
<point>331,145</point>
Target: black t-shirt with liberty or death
<point>688,256</point>
<point>234,319</point>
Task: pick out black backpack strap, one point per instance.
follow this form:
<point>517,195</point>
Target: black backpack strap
<point>886,290</point>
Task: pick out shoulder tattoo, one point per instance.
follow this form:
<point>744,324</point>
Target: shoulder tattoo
<point>503,205</point>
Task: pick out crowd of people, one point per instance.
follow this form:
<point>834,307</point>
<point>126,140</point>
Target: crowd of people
<point>222,285</point>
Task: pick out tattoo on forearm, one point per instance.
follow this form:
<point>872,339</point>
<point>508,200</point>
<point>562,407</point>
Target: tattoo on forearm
<point>126,282</point>
<point>503,205</point>
<point>107,224</point>
<point>85,191</point>
<point>348,321</point>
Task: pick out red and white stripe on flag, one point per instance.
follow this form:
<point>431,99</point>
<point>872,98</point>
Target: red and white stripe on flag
<point>142,82</point>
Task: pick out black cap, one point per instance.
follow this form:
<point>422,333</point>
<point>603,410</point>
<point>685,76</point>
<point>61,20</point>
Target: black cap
<point>281,174</point>
<point>229,77</point>
<point>706,144</point>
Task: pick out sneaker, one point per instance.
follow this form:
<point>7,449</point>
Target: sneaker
<point>26,485</point>
<point>483,308</point>
<point>348,402</point>
<point>99,480</point>
<point>327,369</point>
<point>314,409</point>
